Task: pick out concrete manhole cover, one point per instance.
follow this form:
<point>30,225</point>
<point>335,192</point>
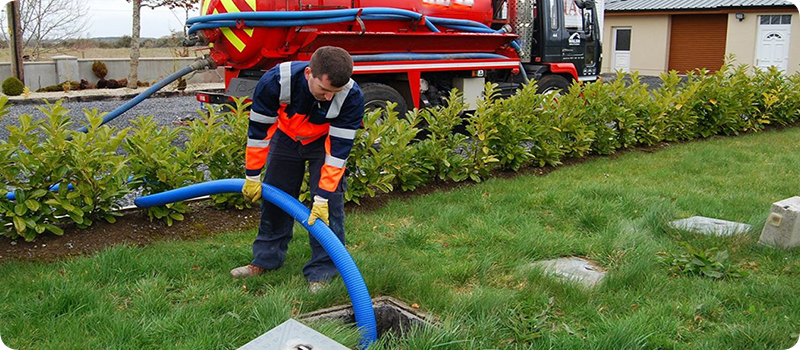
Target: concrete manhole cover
<point>573,269</point>
<point>710,226</point>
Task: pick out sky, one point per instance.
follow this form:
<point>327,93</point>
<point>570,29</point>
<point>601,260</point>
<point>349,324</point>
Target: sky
<point>114,17</point>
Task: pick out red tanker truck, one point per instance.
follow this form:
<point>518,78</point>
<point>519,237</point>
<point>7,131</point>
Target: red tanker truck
<point>411,52</point>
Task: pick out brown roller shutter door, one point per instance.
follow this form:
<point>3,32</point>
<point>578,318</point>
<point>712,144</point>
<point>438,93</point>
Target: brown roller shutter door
<point>697,41</point>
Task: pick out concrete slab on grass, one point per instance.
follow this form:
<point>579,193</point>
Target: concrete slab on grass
<point>292,335</point>
<point>710,226</point>
<point>582,271</point>
<point>783,225</point>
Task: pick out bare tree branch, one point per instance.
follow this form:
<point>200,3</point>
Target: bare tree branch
<point>133,76</point>
<point>49,20</point>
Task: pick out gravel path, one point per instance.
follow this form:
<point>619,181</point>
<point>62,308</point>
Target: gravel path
<point>165,111</point>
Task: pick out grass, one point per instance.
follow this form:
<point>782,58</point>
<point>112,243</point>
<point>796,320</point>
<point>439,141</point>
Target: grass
<point>463,256</point>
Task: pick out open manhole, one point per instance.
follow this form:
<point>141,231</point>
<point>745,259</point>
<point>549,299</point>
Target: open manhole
<point>391,315</point>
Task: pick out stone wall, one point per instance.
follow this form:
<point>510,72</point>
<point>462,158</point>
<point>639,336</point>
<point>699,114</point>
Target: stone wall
<point>151,69</point>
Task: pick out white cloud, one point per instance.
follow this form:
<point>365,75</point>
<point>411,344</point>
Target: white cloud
<point>114,18</point>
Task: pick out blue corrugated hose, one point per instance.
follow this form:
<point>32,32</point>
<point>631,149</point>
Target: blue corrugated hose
<point>359,296</point>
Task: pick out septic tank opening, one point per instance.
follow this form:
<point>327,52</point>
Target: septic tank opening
<point>391,315</point>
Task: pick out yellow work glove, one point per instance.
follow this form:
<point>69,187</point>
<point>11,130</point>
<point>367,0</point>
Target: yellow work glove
<point>252,188</point>
<point>319,211</point>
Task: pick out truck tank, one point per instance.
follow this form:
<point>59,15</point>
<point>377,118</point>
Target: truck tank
<point>242,45</point>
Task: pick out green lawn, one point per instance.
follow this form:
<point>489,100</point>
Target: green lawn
<point>463,256</point>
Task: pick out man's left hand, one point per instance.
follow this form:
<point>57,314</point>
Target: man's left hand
<point>319,211</point>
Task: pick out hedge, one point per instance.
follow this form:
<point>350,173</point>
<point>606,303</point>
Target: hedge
<point>389,153</point>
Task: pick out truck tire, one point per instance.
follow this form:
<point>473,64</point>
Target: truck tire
<point>553,84</point>
<point>376,95</point>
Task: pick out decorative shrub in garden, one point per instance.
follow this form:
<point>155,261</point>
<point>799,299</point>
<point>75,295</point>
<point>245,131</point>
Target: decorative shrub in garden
<point>158,165</point>
<point>99,69</point>
<point>44,152</point>
<point>13,86</point>
<point>524,130</point>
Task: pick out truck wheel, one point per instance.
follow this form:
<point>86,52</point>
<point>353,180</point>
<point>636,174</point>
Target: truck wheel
<point>553,84</point>
<point>376,95</point>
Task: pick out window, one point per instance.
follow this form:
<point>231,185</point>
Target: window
<point>623,40</point>
<point>554,15</point>
<point>775,19</point>
<point>572,15</point>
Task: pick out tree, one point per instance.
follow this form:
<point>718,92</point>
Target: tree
<point>133,77</point>
<point>48,21</point>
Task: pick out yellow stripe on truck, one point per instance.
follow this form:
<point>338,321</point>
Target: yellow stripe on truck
<point>252,4</point>
<point>205,7</point>
<point>230,7</point>
<point>228,33</point>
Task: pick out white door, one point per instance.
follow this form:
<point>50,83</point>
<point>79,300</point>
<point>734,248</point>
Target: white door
<point>622,49</point>
<point>773,41</point>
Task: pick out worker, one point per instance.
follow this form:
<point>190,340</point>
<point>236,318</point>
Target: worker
<point>303,114</point>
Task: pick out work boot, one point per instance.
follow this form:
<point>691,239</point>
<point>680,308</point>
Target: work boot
<point>315,287</point>
<point>247,271</point>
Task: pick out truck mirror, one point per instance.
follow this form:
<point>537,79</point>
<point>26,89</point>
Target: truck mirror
<point>584,4</point>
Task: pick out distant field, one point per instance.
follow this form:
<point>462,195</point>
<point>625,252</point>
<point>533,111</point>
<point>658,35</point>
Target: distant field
<point>5,55</point>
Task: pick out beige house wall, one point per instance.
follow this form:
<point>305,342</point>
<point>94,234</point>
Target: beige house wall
<point>794,45</point>
<point>743,38</point>
<point>649,43</point>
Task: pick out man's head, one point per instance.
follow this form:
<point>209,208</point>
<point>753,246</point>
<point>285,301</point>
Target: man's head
<point>328,72</point>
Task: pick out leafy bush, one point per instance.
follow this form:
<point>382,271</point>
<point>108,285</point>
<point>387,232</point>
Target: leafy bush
<point>13,86</point>
<point>526,129</point>
<point>35,157</point>
<point>366,161</point>
<point>574,136</point>
<point>222,142</point>
<point>437,152</point>
<point>158,165</point>
<point>99,175</point>
<point>99,69</point>
<point>482,129</point>
<point>513,139</point>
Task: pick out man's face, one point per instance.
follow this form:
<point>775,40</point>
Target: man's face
<point>321,87</point>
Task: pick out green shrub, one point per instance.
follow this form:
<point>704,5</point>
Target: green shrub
<point>567,112</point>
<point>513,139</point>
<point>482,129</point>
<point>437,152</point>
<point>366,161</point>
<point>13,86</point>
<point>99,173</point>
<point>99,69</point>
<point>605,115</point>
<point>219,140</point>
<point>642,121</point>
<point>158,165</point>
<point>396,144</point>
<point>779,100</point>
<point>35,157</point>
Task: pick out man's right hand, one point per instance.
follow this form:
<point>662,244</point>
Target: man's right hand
<point>252,188</point>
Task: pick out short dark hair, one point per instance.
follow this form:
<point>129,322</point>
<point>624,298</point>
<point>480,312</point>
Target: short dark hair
<point>334,62</point>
